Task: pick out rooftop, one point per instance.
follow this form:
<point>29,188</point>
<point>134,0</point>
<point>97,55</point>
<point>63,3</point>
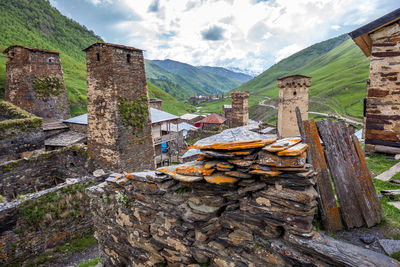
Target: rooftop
<point>112,45</point>
<point>31,49</point>
<point>156,116</point>
<point>213,118</point>
<point>361,35</point>
<point>189,116</point>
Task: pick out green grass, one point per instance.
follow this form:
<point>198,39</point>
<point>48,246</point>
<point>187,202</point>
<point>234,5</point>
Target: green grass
<point>90,263</point>
<point>78,243</point>
<point>378,163</point>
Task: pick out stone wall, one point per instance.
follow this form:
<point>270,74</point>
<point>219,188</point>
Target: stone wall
<point>155,103</point>
<point>35,82</point>
<point>30,175</point>
<point>119,128</point>
<point>293,92</point>
<point>240,108</point>
<point>20,132</point>
<point>42,221</point>
<point>383,94</point>
<point>234,208</point>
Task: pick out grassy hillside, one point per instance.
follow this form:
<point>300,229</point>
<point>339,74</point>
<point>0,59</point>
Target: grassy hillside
<point>339,71</point>
<point>227,73</point>
<point>205,81</point>
<point>37,24</point>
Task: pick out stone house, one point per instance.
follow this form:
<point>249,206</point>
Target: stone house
<point>380,41</point>
<point>35,82</point>
<point>212,122</point>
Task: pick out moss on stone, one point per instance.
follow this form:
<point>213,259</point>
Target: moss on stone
<point>134,114</point>
<point>47,86</point>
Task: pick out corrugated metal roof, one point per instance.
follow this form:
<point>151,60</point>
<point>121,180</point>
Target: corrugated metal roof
<point>159,115</point>
<point>181,126</point>
<point>156,116</point>
<point>227,106</point>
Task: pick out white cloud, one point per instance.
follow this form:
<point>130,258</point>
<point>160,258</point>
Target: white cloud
<point>241,33</point>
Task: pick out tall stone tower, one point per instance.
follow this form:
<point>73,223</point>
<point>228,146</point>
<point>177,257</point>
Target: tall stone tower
<point>293,92</point>
<point>119,126</point>
<point>240,108</point>
<point>35,82</point>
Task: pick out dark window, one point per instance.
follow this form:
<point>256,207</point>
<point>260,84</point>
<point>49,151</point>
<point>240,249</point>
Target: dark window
<point>294,93</point>
<point>50,59</point>
<point>128,58</point>
<point>98,56</point>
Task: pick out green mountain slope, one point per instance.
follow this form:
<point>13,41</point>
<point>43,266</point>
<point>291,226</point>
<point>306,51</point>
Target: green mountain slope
<point>35,23</point>
<point>338,69</point>
<point>227,73</point>
<point>208,82</point>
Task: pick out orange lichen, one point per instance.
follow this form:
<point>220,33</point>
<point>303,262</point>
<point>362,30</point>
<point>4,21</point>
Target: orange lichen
<point>266,173</point>
<point>294,150</point>
<point>237,145</point>
<point>193,170</point>
<point>220,179</point>
<point>282,144</point>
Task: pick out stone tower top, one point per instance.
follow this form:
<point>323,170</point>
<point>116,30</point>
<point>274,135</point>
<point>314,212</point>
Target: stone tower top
<point>111,45</point>
<point>294,81</point>
<point>240,94</point>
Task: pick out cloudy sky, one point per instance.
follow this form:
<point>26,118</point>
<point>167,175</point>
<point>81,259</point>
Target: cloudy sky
<point>247,34</point>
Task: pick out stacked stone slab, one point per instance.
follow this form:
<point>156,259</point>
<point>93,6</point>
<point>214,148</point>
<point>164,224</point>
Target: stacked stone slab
<point>293,92</point>
<point>240,108</point>
<point>119,127</point>
<point>35,82</point>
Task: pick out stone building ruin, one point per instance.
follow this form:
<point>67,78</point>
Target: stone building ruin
<point>380,40</point>
<point>293,92</point>
<point>240,108</point>
<point>119,126</point>
<point>227,113</point>
<point>35,82</point>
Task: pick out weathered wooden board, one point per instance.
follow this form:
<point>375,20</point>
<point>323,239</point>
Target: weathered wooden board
<point>349,173</point>
<point>391,193</point>
<point>327,202</point>
<point>337,155</point>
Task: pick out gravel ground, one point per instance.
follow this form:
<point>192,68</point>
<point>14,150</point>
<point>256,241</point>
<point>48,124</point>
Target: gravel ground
<point>77,258</point>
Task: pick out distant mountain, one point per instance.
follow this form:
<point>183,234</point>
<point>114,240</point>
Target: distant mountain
<point>338,71</point>
<point>249,72</point>
<point>227,73</point>
<point>205,82</point>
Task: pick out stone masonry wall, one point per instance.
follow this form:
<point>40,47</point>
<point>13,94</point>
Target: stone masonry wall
<point>240,109</point>
<point>227,113</point>
<point>40,222</point>
<point>20,132</point>
<point>293,92</point>
<point>383,94</point>
<point>35,82</point>
<point>30,175</point>
<point>233,208</point>
<point>119,128</point>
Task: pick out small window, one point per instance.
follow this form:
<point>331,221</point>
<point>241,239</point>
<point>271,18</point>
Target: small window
<point>128,58</point>
<point>294,93</point>
<point>98,56</point>
<point>50,59</point>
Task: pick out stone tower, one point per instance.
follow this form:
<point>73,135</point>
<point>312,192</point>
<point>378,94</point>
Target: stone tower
<point>293,92</point>
<point>35,82</point>
<point>119,126</point>
<point>240,108</point>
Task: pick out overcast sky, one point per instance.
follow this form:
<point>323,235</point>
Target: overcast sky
<point>247,34</point>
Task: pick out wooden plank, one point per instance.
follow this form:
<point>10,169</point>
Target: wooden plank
<point>327,202</point>
<point>366,182</point>
<point>337,156</point>
<point>391,193</point>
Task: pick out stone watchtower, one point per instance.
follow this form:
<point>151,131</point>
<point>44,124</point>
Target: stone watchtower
<point>240,108</point>
<point>35,82</point>
<point>293,92</point>
<point>119,126</point>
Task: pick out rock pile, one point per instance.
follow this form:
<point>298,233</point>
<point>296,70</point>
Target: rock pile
<point>246,203</point>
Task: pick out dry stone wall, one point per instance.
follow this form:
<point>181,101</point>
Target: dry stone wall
<point>383,94</point>
<point>246,205</point>
<point>240,109</point>
<point>29,175</point>
<point>20,132</point>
